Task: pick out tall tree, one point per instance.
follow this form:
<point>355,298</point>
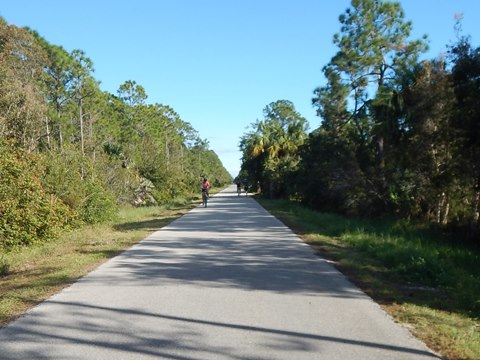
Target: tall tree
<point>329,175</point>
<point>132,93</point>
<point>425,177</point>
<point>270,150</point>
<point>373,50</point>
<point>51,103</point>
<point>83,87</point>
<point>21,102</point>
<point>57,81</point>
<point>466,79</point>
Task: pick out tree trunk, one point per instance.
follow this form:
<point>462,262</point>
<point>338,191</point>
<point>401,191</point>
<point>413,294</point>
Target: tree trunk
<point>60,137</point>
<point>181,155</point>
<point>48,132</point>
<point>475,225</point>
<point>380,158</point>
<point>380,152</point>
<point>440,203</point>
<point>167,153</point>
<point>476,214</point>
<point>80,110</point>
<point>82,139</point>
<point>445,213</point>
<point>443,209</point>
<point>90,127</point>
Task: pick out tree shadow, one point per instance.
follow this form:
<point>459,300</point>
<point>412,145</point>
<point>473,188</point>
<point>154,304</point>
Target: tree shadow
<point>100,331</point>
<point>151,225</point>
<point>234,243</point>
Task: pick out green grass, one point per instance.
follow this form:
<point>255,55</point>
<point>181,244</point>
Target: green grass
<point>30,275</point>
<point>420,277</point>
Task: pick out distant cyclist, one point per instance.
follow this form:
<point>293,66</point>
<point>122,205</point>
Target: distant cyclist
<point>205,186</point>
<point>239,187</point>
<point>246,185</point>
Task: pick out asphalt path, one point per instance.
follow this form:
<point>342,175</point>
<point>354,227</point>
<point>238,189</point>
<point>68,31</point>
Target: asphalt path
<point>224,282</point>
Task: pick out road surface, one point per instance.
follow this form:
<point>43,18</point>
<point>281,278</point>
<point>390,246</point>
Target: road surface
<point>224,282</point>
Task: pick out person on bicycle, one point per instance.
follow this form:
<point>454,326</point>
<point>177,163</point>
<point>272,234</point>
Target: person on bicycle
<point>205,186</point>
<point>239,187</point>
<point>245,186</point>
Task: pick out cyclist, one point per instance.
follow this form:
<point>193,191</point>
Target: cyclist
<point>205,186</point>
<point>239,187</point>
<point>246,185</point>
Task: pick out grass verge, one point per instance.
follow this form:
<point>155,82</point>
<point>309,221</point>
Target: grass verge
<point>30,275</point>
<point>424,281</point>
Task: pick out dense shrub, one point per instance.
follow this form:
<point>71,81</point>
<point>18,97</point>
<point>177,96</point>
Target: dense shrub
<point>28,214</point>
<point>98,204</point>
<point>74,179</point>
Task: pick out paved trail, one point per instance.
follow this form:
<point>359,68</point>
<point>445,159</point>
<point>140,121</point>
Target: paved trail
<point>224,282</point>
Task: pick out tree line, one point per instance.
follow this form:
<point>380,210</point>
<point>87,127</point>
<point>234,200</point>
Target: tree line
<point>71,153</point>
<point>398,136</point>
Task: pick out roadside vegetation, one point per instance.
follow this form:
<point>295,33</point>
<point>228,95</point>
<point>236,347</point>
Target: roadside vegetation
<point>398,136</point>
<point>424,279</point>
<point>71,154</point>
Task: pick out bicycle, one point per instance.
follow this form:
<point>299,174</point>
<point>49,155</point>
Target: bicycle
<point>205,186</point>
<point>204,197</point>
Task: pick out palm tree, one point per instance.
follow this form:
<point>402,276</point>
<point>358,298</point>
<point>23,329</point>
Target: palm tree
<point>270,151</point>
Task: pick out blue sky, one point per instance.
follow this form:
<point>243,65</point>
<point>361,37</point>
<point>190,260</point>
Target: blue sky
<point>219,63</point>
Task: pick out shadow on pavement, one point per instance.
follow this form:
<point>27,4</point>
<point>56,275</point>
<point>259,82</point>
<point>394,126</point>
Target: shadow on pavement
<point>161,344</point>
<point>232,243</point>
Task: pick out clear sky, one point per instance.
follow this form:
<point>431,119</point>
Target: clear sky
<point>218,63</point>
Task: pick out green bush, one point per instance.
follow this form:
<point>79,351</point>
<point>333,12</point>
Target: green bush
<point>98,205</point>
<point>4,266</point>
<point>28,214</point>
<point>118,179</point>
<point>74,179</point>
<point>63,175</point>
